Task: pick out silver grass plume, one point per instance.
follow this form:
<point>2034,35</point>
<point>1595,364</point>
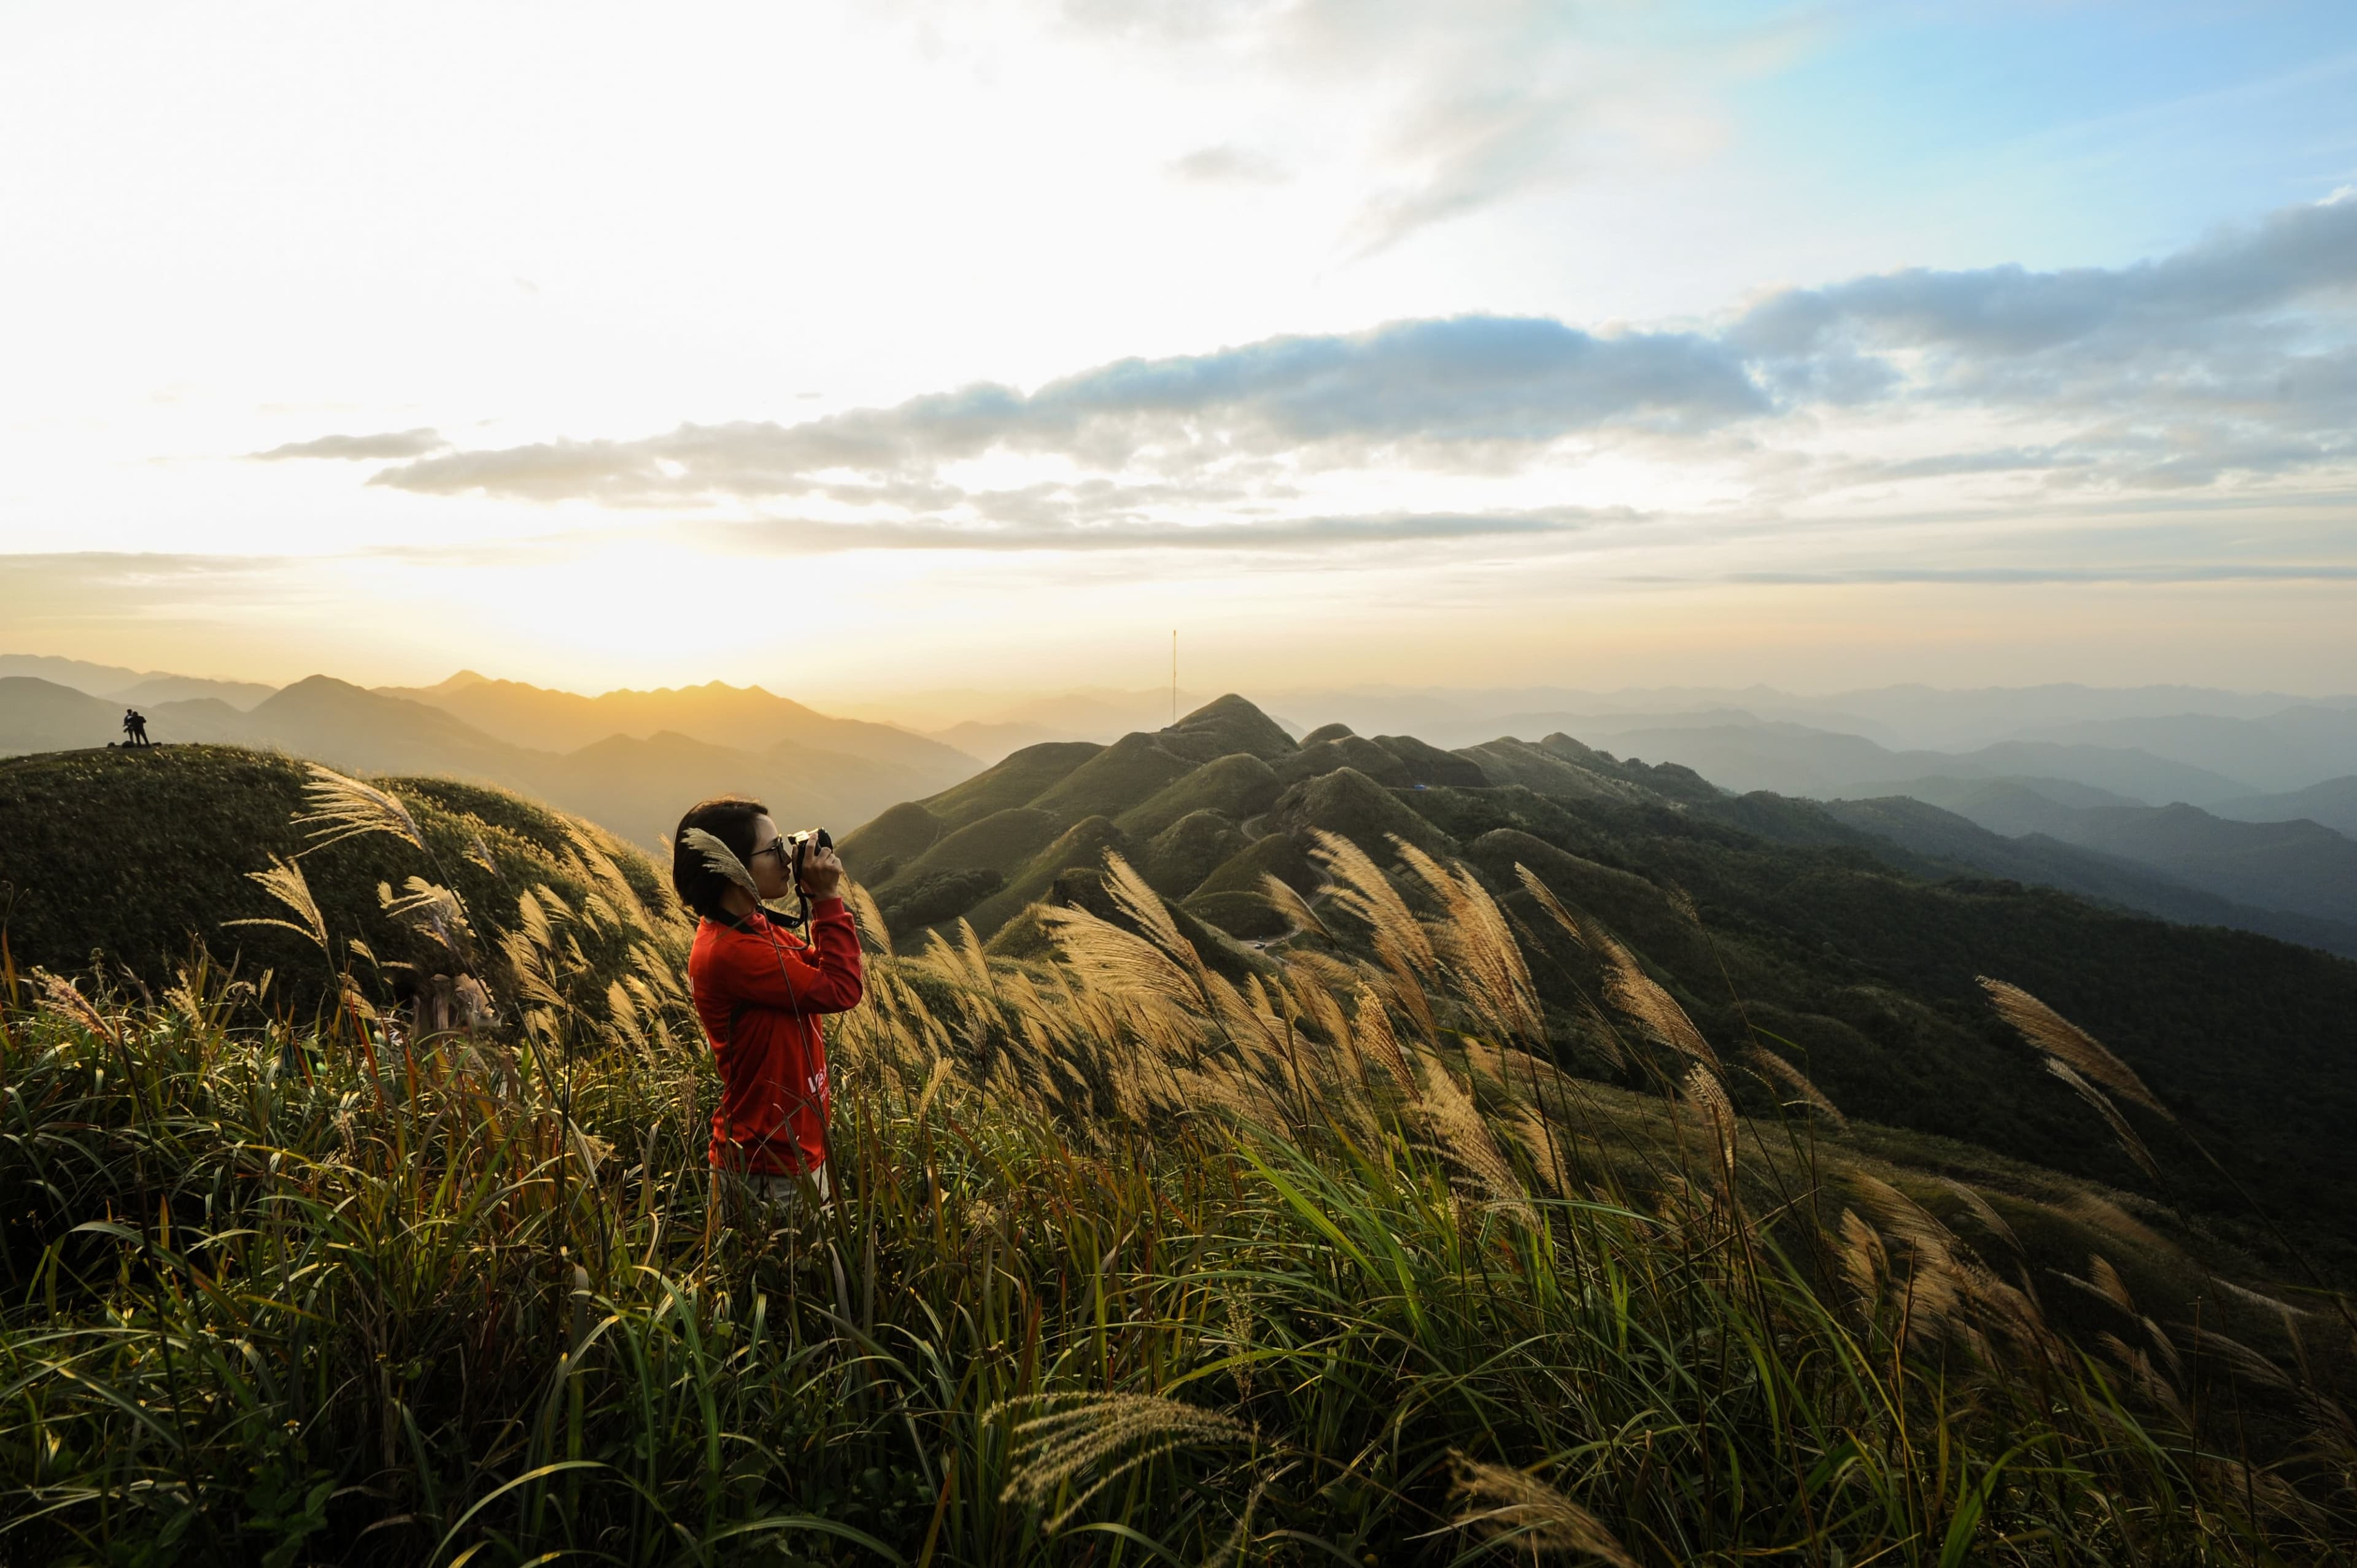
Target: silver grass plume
<point>1980,1209</point>
<point>1502,1504</point>
<point>718,856</point>
<point>1111,1434</point>
<point>2125,1135</point>
<point>285,882</point>
<point>1143,905</point>
<point>60,998</point>
<point>866,917</point>
<point>1653,1010</point>
<point>343,808</point>
<point>1288,901</point>
<point>2064,1041</point>
<point>1770,1064</point>
<point>1550,903</point>
<point>430,908</point>
<point>1707,1094</point>
<point>1363,890</point>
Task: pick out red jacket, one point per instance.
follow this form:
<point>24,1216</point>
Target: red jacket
<point>758,991</point>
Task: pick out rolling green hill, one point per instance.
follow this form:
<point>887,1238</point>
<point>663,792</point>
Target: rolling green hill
<point>1823,942</point>
<point>124,861</point>
<point>1825,939</point>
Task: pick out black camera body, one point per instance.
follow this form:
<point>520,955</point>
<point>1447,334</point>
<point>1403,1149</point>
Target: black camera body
<point>803,843</point>
<point>807,841</point>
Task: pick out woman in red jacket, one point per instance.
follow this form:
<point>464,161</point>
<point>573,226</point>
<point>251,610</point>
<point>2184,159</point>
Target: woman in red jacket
<point>758,989</point>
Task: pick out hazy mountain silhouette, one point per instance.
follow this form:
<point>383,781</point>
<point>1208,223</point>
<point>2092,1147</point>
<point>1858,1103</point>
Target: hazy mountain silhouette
<point>744,718</point>
<point>2288,750</point>
<point>2332,802</point>
<point>635,786</point>
<point>1792,759</point>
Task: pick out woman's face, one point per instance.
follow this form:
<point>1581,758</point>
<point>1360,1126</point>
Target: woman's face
<point>772,863</point>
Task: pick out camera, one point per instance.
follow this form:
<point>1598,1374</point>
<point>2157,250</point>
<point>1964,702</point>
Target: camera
<point>806,841</point>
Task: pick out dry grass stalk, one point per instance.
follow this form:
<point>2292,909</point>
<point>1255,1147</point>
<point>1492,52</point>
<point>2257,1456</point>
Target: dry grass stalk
<point>1116,962</point>
<point>1983,1210</point>
<point>1550,903</point>
<point>1109,1433</point>
<point>430,908</point>
<point>1288,901</point>
<point>1937,1285</point>
<point>1500,1504</point>
<point>1704,1090</point>
<point>2125,1135</point>
<point>343,808</point>
<point>1362,891</point>
<point>1863,1262</point>
<point>1482,944</point>
<point>285,881</point>
<point>1465,1137</point>
<point>59,997</point>
<point>1682,901</point>
<point>1792,1078</point>
<point>867,917</point>
<point>943,1070</point>
<point>2108,1284</point>
<point>1373,1029</point>
<point>1142,903</point>
<point>2064,1041</point>
<point>1639,996</point>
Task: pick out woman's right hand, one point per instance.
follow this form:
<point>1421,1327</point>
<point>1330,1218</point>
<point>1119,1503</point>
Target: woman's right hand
<point>822,873</point>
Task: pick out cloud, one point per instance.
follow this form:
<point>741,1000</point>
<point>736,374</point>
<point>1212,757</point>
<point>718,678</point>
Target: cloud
<point>1228,166</point>
<point>1511,382</point>
<point>2230,362</point>
<point>2151,576</point>
<point>389,444</point>
<point>2008,311</point>
<point>800,536</point>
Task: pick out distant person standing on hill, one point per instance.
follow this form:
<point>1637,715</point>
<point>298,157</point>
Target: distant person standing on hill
<point>134,726</point>
<point>759,990</point>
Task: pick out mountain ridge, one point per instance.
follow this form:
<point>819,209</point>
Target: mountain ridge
<point>1866,950</point>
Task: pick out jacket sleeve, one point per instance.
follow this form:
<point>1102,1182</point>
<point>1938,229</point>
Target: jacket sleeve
<point>823,977</point>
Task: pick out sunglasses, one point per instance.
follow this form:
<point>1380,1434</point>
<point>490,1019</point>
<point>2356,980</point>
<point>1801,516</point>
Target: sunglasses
<point>781,846</point>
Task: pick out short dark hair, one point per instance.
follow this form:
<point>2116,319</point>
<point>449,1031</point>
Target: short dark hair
<point>729,818</point>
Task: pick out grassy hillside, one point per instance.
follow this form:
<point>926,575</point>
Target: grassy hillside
<point>1857,955</point>
<point>123,863</point>
<point>1133,1256</point>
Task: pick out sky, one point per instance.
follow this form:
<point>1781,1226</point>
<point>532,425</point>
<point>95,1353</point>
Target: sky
<point>891,347</point>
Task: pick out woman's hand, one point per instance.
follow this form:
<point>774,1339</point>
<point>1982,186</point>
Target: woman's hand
<point>822,873</point>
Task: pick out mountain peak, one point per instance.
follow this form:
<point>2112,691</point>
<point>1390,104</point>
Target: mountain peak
<point>1224,726</point>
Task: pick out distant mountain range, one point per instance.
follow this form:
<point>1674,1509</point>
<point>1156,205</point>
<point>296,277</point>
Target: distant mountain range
<point>1794,759</point>
<point>2332,802</point>
<point>647,756</point>
<point>1852,931</point>
<point>2298,867</point>
<point>2132,797</point>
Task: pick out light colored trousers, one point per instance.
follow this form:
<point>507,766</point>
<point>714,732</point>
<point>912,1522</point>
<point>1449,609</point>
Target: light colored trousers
<point>778,1198</point>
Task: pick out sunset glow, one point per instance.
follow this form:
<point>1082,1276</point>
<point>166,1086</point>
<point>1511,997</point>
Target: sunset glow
<point>870,349</point>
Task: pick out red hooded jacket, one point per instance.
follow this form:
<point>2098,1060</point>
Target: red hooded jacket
<point>759,991</point>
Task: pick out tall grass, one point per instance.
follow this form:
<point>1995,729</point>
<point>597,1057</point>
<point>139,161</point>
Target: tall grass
<point>1129,1261</point>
